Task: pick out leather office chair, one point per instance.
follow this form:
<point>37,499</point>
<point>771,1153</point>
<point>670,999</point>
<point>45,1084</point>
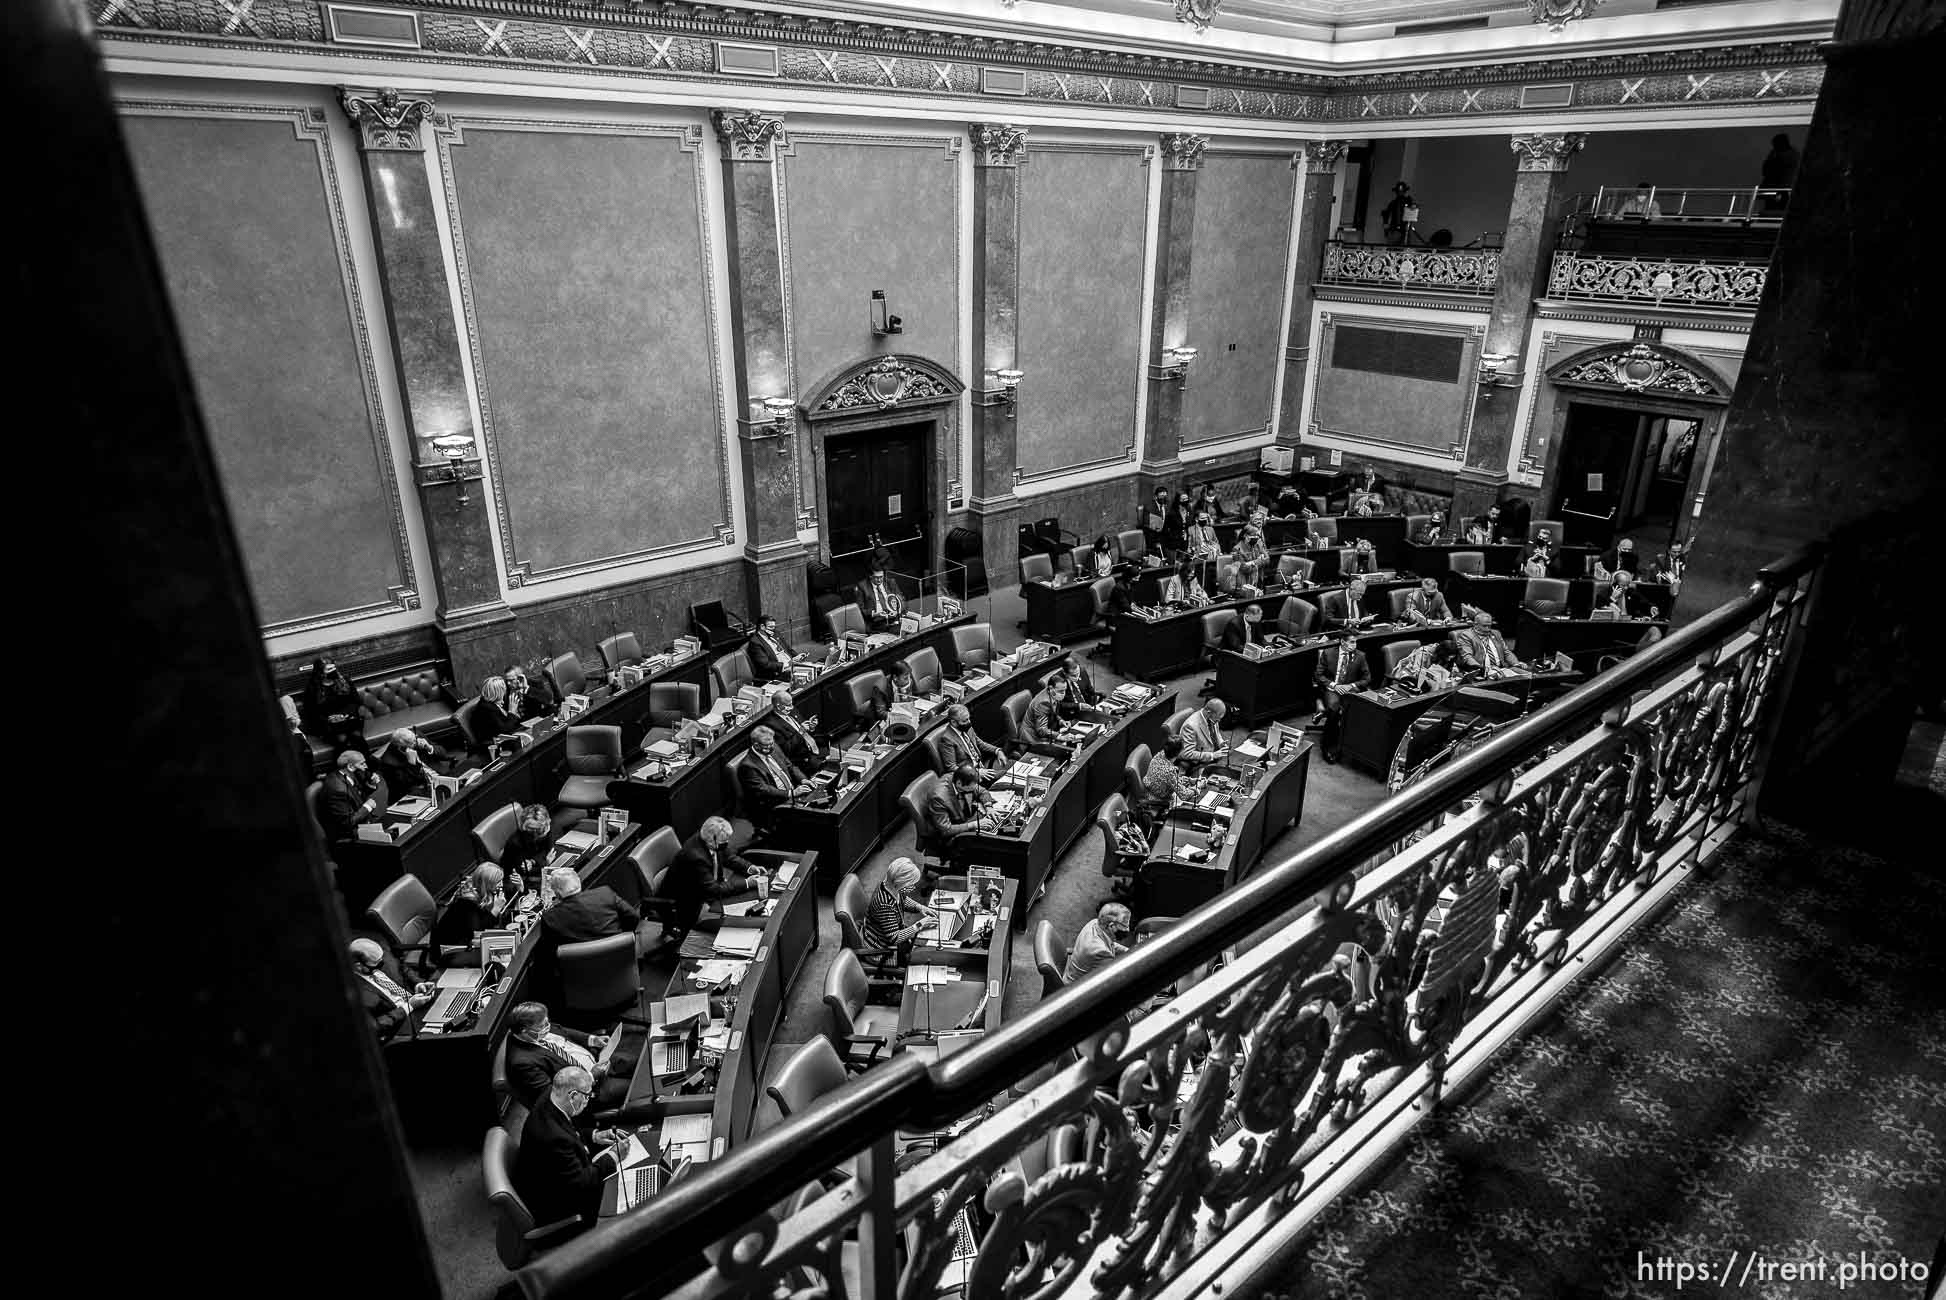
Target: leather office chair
<point>1467,562</point>
<point>599,978</point>
<point>1036,568</point>
<point>312,793</point>
<point>1295,567</point>
<point>673,703</point>
<point>912,801</point>
<point>862,1033</point>
<point>621,650</point>
<point>1101,589</point>
<point>1396,599</point>
<point>713,625</point>
<point>1013,721</point>
<point>933,749</point>
<point>1326,527</point>
<point>1135,772</point>
<point>973,645</point>
<point>652,857</point>
<point>1051,957</point>
<point>848,904</point>
<point>594,756</point>
<point>1298,618</point>
<point>1173,725</point>
<point>1119,867</point>
<point>516,1237</point>
<point>1081,558</point>
<point>1213,624</point>
<point>1545,589</point>
<point>1226,576</point>
<point>465,719</point>
<point>732,673</point>
<point>404,912</point>
<point>1132,544</point>
<point>1390,656</point>
<point>926,672</point>
<point>862,688</point>
<point>812,1070</point>
<point>1414,524</point>
<point>490,834</point>
<point>508,1107</point>
<point>567,674</point>
<point>847,618</point>
<point>1557,532</point>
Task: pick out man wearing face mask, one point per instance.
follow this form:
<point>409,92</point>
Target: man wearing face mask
<point>960,744</point>
<point>351,795</point>
<point>769,780</point>
<point>529,847</point>
<point>382,990</point>
<point>554,1170</point>
<point>524,701</point>
<point>409,762</point>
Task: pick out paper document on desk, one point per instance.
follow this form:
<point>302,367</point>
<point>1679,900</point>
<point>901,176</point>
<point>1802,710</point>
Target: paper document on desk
<point>410,807</point>
<point>749,907</point>
<point>930,976</point>
<point>687,1135</point>
<point>786,872</point>
<point>460,977</point>
<point>663,749</point>
<point>715,972</point>
<point>576,841</point>
<point>1250,749</point>
<point>738,941</point>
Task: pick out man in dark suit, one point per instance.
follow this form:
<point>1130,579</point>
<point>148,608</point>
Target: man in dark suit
<point>553,1171</point>
<point>896,689</point>
<point>1426,605</point>
<point>769,779</point>
<point>382,989</point>
<point>704,869</point>
<point>538,1049</point>
<point>527,699</point>
<point>955,806</point>
<point>409,762</point>
<point>1045,714</point>
<point>802,747</point>
<point>880,601</point>
<point>581,915</point>
<point>1483,650</point>
<point>770,658</point>
<point>352,794</point>
<point>1081,684</point>
<point>1345,608</point>
<point>1240,633</point>
<point>1341,670</point>
<point>960,744</point>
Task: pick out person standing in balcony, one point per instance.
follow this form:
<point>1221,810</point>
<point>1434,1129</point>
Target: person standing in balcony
<point>1642,205</point>
<point>1780,171</point>
<point>1400,215</point>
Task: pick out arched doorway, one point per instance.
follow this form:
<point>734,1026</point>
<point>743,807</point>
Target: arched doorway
<point>1635,430</point>
<point>880,432</point>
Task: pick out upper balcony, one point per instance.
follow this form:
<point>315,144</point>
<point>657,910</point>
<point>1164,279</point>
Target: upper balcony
<point>1706,249</point>
<point>1473,272</point>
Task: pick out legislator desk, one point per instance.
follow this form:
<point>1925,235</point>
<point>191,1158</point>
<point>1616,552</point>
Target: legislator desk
<point>1386,533</point>
<point>1060,611</point>
<point>1077,783</point>
<point>682,791</point>
<point>1641,596</point>
<point>1375,721</point>
<point>1150,649</point>
<point>1281,681</point>
<point>439,848</point>
<point>1583,640</point>
<point>844,830</point>
<point>442,1078</point>
<point>1268,800</point>
<point>1436,561</point>
<point>1498,594</point>
<point>969,952</point>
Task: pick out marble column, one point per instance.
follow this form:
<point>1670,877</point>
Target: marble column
<point>1182,159</point>
<point>997,153</point>
<point>1539,181</point>
<point>426,346</point>
<point>773,559</point>
<point>1320,159</point>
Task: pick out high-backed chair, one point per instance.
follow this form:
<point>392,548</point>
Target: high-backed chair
<point>1396,599</point>
<point>594,756</point>
<point>1213,624</point>
<point>847,618</point>
<point>1391,656</point>
<point>1467,561</point>
<point>599,979</point>
<point>1298,618</point>
<point>973,645</point>
<point>812,1070</point>
<point>512,1112</point>
<point>713,625</point>
<point>404,912</point>
<point>1036,568</point>
<point>491,833</point>
<point>733,672</point>
<point>1226,576</point>
<point>312,793</point>
<point>926,672</point>
<point>1118,866</point>
<point>1295,568</point>
<point>621,650</point>
<point>673,703</point>
<point>1172,726</point>
<point>862,1033</point>
<point>517,1237</point>
<point>567,674</point>
<point>1101,589</point>
<point>1546,589</point>
<point>1051,957</point>
<point>1326,527</point>
<point>848,903</point>
<point>651,857</point>
<point>912,801</point>
<point>1135,773</point>
<point>1013,720</point>
<point>1556,531</point>
<point>1132,544</point>
<point>466,719</point>
<point>936,751</point>
<point>1414,524</point>
<point>1080,558</point>
<point>863,687</point>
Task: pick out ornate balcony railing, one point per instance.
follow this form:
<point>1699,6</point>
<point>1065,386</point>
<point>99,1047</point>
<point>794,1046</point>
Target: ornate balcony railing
<point>1665,282</point>
<point>1160,1126</point>
<point>1447,270</point>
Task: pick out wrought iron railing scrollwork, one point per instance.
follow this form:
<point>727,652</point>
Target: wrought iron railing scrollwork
<point>1209,1082</point>
<point>1671,282</point>
<point>1448,270</point>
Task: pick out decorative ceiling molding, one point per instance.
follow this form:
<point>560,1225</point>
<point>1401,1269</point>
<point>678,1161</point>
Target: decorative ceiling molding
<point>1557,14</point>
<point>676,40</point>
<point>386,119</point>
<point>996,144</point>
<point>1546,153</point>
<point>1198,13</point>
<point>747,137</point>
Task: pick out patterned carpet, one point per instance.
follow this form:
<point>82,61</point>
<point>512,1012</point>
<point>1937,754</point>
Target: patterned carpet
<point>1759,1081</point>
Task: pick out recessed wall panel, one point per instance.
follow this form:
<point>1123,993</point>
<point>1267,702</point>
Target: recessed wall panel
<point>1237,283</point>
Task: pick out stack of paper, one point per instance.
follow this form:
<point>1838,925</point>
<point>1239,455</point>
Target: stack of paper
<point>576,841</point>
<point>738,941</point>
<point>713,972</point>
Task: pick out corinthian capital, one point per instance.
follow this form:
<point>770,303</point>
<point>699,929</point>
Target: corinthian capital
<point>386,118</point>
<point>1182,152</point>
<point>1546,153</point>
<point>1321,155</point>
<point>747,137</point>
<point>997,144</point>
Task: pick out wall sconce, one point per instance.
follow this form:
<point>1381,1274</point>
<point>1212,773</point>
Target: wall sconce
<point>780,418</point>
<point>883,321</point>
<point>1009,384</point>
<point>1496,368</point>
<point>1176,362</point>
<point>457,449</point>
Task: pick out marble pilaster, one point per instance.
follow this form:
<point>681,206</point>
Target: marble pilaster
<point>1182,159</point>
<point>997,154</point>
<point>1320,159</point>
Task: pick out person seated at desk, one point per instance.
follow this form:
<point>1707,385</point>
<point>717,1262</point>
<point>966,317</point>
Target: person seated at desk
<point>1101,560</point>
<point>538,1049</point>
<point>579,915</point>
<point>1430,532</point>
<point>1049,711</point>
<point>1341,671</point>
<point>409,762</point>
<point>769,780</point>
<point>770,658</point>
<point>1251,556</point>
<point>1201,540</point>
<point>803,748</point>
<point>1366,504</point>
<point>1623,599</point>
<point>480,904</point>
<point>381,988</point>
<point>553,1171</point>
<point>1344,610</point>
<point>898,689</point>
<point>1098,942</point>
<point>885,923</point>
<point>1164,783</point>
<point>531,845</point>
<point>1364,559</point>
<point>1478,534</point>
<point>1202,735</point>
<point>348,797</point>
<point>1483,650</point>
<point>880,601</point>
<point>1183,587</point>
<point>703,871</point>
<point>1542,553</point>
<point>1082,694</point>
<point>527,700</point>
<point>330,708</point>
<point>959,744</point>
<point>1618,558</point>
<point>1242,632</point>
<point>1426,605</point>
<point>491,715</point>
<point>1292,504</point>
<point>1497,527</point>
<point>1431,667</point>
<point>958,806</point>
<point>1121,597</point>
<point>1207,502</point>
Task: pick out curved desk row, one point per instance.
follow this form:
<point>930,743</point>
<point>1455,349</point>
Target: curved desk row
<point>1168,885</point>
<point>938,1017</point>
<point>1282,682</point>
<point>1149,649</point>
<point>1501,596</point>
